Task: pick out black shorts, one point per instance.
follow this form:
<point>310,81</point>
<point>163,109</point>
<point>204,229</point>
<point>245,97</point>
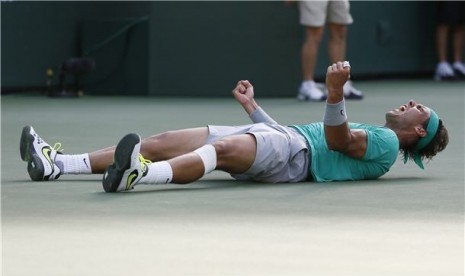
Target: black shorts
<point>451,13</point>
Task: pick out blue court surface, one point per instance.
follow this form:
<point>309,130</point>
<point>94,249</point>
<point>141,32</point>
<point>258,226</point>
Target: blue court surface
<point>409,222</point>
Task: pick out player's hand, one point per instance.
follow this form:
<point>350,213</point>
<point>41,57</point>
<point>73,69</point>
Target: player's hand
<point>245,96</point>
<point>336,76</point>
<point>243,92</point>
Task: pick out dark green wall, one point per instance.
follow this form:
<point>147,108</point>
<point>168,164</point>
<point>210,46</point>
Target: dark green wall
<point>202,48</point>
<point>392,37</point>
<point>208,46</point>
<point>39,35</point>
<point>35,35</point>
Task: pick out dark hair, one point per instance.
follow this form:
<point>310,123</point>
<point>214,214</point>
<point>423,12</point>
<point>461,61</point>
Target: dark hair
<point>439,143</point>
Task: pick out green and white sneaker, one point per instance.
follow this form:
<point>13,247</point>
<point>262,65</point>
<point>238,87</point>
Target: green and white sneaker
<point>128,168</point>
<point>40,157</point>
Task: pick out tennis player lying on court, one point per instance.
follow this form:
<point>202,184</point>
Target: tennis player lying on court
<point>332,150</point>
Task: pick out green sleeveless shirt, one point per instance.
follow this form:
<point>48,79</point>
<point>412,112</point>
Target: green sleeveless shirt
<point>327,165</point>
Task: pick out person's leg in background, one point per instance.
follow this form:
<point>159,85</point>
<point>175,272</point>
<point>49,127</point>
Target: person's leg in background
<point>450,21</point>
<point>313,18</point>
<point>457,45</point>
<point>337,42</point>
<point>339,18</point>
<point>444,70</point>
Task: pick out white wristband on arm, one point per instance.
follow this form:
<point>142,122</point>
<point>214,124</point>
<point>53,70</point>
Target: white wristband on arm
<point>260,116</point>
<point>335,114</point>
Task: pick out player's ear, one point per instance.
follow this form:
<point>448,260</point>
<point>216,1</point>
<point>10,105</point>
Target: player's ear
<point>420,131</point>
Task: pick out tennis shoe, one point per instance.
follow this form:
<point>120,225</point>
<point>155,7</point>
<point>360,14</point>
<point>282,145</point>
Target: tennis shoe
<point>459,69</point>
<point>39,155</point>
<point>128,168</point>
<point>444,71</point>
<point>350,92</point>
<point>310,92</point>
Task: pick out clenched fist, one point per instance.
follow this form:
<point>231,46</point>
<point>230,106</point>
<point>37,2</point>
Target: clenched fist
<point>336,76</point>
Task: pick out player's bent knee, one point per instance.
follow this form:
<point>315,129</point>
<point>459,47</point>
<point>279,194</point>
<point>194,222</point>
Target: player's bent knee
<point>224,150</point>
<point>235,155</point>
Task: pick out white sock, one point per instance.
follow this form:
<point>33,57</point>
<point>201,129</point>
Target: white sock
<point>158,173</point>
<point>73,163</point>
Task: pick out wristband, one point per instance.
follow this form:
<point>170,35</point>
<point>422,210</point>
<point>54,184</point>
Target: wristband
<point>260,116</point>
<point>335,114</point>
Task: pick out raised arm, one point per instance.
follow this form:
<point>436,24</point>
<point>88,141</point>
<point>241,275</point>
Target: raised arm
<point>339,137</point>
<point>244,94</point>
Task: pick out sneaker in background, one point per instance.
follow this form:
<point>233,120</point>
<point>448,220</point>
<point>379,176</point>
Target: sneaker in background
<point>459,69</point>
<point>350,93</point>
<point>309,91</point>
<point>444,71</point>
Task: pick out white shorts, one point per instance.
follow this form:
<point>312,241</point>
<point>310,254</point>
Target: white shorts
<point>317,13</point>
<point>282,153</point>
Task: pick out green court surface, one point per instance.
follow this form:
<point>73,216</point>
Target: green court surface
<point>409,222</point>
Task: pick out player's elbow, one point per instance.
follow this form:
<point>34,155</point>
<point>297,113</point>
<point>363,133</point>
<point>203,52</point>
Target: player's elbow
<point>340,145</point>
<point>338,138</point>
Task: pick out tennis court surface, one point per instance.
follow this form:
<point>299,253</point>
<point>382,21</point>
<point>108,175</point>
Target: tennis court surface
<point>409,222</point>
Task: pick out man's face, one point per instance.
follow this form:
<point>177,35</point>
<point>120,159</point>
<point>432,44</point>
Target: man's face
<point>409,114</point>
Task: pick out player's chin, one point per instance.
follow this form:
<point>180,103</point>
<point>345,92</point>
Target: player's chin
<point>395,111</point>
<point>392,113</point>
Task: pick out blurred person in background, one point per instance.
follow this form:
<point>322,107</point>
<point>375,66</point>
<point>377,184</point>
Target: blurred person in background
<point>314,15</point>
<point>450,20</point>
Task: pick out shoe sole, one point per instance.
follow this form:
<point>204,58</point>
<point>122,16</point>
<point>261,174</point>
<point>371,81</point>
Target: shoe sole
<point>444,78</point>
<point>35,167</point>
<point>459,75</point>
<point>25,143</point>
<point>353,97</point>
<point>115,172</point>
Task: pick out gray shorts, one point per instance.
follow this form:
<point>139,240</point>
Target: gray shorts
<point>317,13</point>
<point>282,153</point>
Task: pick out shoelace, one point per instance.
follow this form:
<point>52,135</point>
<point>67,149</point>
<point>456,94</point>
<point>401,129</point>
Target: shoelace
<point>144,162</point>
<point>57,147</point>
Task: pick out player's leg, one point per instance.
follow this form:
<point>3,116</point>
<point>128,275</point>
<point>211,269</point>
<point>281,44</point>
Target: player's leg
<point>45,162</point>
<point>234,154</point>
<point>157,147</point>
